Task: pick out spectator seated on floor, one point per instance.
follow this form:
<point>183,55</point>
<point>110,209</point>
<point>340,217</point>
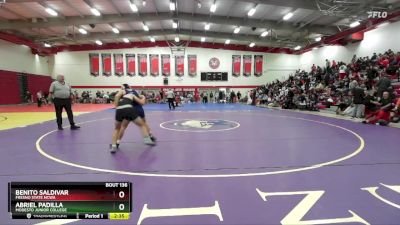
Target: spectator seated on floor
<point>301,102</point>
<point>344,101</point>
<point>382,115</point>
<point>395,115</point>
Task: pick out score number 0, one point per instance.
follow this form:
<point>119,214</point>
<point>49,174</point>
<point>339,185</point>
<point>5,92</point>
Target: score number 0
<point>121,206</point>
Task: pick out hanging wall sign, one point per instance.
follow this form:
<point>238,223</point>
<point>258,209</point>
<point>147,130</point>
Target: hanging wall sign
<point>94,64</point>
<point>142,58</point>
<point>154,65</point>
<point>179,65</point>
<point>119,64</point>
<point>258,65</point>
<point>130,64</point>
<point>106,62</point>
<point>192,65</point>
<point>166,65</point>
<point>246,65</point>
<point>236,61</point>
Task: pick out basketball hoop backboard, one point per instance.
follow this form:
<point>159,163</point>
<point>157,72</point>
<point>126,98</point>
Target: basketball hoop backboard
<point>178,48</point>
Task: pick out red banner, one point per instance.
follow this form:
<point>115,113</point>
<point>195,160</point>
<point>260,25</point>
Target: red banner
<point>154,65</point>
<point>179,65</point>
<point>118,64</point>
<point>94,64</point>
<point>106,61</point>
<point>192,64</point>
<point>246,65</point>
<point>258,65</point>
<point>142,58</point>
<point>166,65</point>
<point>236,61</point>
<point>130,64</point>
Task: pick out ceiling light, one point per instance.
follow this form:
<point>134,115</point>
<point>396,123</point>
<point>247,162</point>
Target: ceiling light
<point>144,2</point>
<point>172,6</point>
<point>82,31</point>
<point>176,39</point>
<point>198,4</point>
<point>264,34</point>
<point>51,11</point>
<point>95,11</point>
<point>126,40</point>
<point>115,30</point>
<point>207,26</point>
<point>134,8</point>
<point>318,39</point>
<point>203,39</point>
<point>298,47</point>
<point>145,27</point>
<point>288,16</point>
<point>236,30</point>
<point>213,8</point>
<point>46,45</point>
<point>354,24</point>
<point>152,39</point>
<point>252,44</point>
<point>251,12</point>
<point>227,42</point>
<point>174,25</point>
<point>99,42</point>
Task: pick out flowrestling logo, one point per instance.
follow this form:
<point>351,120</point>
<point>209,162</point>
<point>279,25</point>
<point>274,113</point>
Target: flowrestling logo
<point>200,125</point>
<point>377,14</point>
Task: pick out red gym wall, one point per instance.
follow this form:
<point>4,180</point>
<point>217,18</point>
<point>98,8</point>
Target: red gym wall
<point>10,89</point>
<point>37,83</point>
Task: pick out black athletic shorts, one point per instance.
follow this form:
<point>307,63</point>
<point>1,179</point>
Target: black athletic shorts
<point>126,114</point>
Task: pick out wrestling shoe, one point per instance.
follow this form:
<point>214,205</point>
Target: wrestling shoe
<point>113,148</point>
<point>153,138</point>
<point>148,141</point>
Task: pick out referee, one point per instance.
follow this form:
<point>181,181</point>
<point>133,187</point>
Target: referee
<point>61,94</point>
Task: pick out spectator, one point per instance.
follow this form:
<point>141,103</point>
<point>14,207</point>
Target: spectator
<point>239,96</point>
<point>28,97</point>
<point>383,85</point>
<point>358,102</point>
<point>382,116</point>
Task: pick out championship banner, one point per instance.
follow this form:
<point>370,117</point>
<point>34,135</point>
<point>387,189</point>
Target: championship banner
<point>166,65</point>
<point>247,65</point>
<point>142,58</point>
<point>130,64</point>
<point>192,64</point>
<point>236,61</point>
<point>106,62</point>
<point>119,64</point>
<point>94,64</point>
<point>179,65</point>
<point>154,65</point>
<point>258,65</point>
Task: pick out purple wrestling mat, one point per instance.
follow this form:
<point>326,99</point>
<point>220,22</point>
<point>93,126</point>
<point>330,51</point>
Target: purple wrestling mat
<point>221,164</point>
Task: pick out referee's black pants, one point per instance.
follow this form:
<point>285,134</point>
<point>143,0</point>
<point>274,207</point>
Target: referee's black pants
<point>59,104</point>
<point>171,103</point>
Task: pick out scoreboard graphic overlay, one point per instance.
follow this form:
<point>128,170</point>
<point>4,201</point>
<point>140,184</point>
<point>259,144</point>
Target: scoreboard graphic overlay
<point>71,200</point>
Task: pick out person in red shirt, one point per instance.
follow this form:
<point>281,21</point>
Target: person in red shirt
<point>384,62</point>
<point>313,68</point>
<point>334,65</point>
<point>382,116</point>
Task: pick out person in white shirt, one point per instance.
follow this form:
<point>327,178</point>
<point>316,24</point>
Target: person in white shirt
<point>171,97</point>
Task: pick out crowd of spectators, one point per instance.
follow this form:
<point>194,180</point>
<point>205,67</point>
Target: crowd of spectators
<point>360,88</point>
